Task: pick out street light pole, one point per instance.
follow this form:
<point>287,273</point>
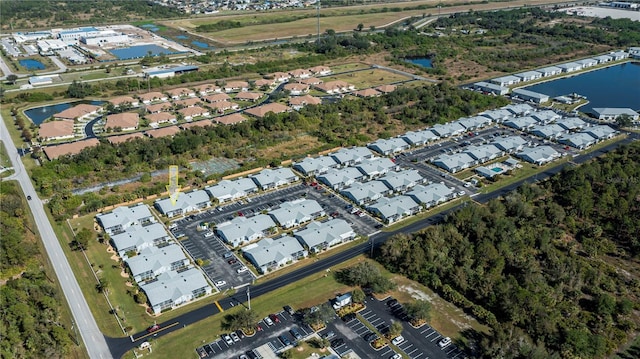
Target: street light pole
<point>248,298</point>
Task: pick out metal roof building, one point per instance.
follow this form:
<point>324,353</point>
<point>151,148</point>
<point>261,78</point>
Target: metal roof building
<point>269,254</point>
<point>123,217</point>
<point>137,238</point>
<point>538,155</point>
<point>510,144</point>
<point>389,146</point>
<point>153,261</point>
<point>448,129</point>
<point>172,289</point>
<point>419,138</point>
<point>186,202</point>
<point>226,190</point>
<point>402,180</point>
<point>432,194</point>
<point>294,213</point>
<point>532,96</point>
<point>242,230</point>
<point>395,208</point>
<point>318,236</point>
<point>350,156</point>
<point>455,162</point>
<point>274,178</point>
<point>578,140</point>
<point>313,166</point>
<point>548,131</point>
<point>375,167</point>
<point>361,193</point>
<point>340,178</point>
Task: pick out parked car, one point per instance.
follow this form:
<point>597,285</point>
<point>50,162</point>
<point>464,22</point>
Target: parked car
<point>295,333</point>
<point>227,339</point>
<point>240,334</point>
<point>208,234</point>
<point>259,328</point>
<point>232,261</point>
<point>227,255</point>
<point>284,340</point>
<point>396,356</point>
<point>220,283</point>
<point>349,317</point>
<point>235,337</point>
<point>337,343</point>
<point>289,310</point>
<point>329,335</point>
<point>242,269</point>
<point>444,342</point>
<point>371,336</point>
<point>153,328</point>
<point>268,321</point>
<point>397,340</point>
<point>274,318</point>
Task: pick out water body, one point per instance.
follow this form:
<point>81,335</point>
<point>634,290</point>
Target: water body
<point>31,64</point>
<point>140,51</point>
<point>420,61</point>
<point>39,114</point>
<point>182,37</point>
<point>151,27</point>
<point>615,86</point>
<point>200,44</point>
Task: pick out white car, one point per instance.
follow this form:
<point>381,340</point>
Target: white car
<point>220,283</point>
<point>396,356</point>
<point>444,342</point>
<point>268,321</point>
<point>397,340</point>
<point>235,337</point>
<point>227,339</point>
<point>208,234</point>
<point>242,269</point>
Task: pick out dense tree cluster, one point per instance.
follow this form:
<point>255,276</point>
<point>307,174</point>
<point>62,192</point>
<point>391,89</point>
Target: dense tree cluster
<point>347,122</point>
<point>537,261</point>
<point>30,315</point>
<point>29,14</point>
<point>365,275</point>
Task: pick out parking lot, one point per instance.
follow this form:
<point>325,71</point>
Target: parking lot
<point>204,244</point>
<point>265,334</point>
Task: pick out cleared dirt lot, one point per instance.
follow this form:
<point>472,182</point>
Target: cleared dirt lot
<point>338,19</point>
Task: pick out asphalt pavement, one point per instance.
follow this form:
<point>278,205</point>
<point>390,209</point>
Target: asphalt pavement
<point>83,318</point>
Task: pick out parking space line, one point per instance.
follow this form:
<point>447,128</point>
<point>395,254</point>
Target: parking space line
<point>427,336</point>
<point>436,338</point>
<point>452,350</point>
<point>426,330</point>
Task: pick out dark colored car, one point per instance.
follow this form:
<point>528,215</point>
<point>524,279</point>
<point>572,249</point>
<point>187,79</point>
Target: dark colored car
<point>349,317</point>
<point>153,328</point>
<point>232,261</point>
<point>274,318</point>
<point>240,334</point>
<point>295,333</point>
<point>284,340</point>
<point>289,310</point>
<point>29,198</point>
<point>337,342</point>
<point>371,337</point>
<point>329,335</point>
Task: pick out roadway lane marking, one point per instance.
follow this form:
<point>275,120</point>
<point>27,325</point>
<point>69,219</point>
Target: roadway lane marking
<point>156,332</point>
<point>219,306</point>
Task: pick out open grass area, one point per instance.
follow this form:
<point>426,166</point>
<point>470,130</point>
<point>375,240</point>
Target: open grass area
<point>4,162</point>
<point>527,170</point>
<point>419,217</point>
<point>349,67</point>
<point>368,78</point>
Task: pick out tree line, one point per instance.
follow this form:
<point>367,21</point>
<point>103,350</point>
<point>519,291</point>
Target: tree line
<point>30,316</point>
<point>543,266</point>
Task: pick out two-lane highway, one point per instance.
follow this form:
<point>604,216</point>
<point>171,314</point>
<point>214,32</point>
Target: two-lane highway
<point>93,339</point>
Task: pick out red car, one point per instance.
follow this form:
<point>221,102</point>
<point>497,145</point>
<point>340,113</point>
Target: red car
<point>232,261</point>
<point>153,328</point>
<point>274,318</point>
<point>259,328</point>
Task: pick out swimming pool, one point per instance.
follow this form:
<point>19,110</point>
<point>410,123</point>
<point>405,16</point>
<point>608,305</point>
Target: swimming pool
<point>496,169</point>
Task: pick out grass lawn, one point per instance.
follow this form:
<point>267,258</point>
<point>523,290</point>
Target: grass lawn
<point>368,78</point>
<point>4,161</point>
<point>349,67</point>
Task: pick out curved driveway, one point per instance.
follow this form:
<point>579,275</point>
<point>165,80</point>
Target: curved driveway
<point>95,342</point>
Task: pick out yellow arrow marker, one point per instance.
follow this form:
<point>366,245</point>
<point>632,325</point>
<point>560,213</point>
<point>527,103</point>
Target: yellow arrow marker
<point>173,187</point>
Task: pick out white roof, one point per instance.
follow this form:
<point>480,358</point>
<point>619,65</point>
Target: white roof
<point>474,122</point>
<point>138,236</point>
<point>354,154</point>
<point>538,154</point>
<point>394,206</point>
<point>509,143</point>
<point>363,191</point>
<point>402,179</point>
<point>433,193</point>
<point>508,78</point>
<point>528,74</point>
<point>587,61</point>
<point>241,228</point>
<point>571,123</point>
<point>154,258</point>
<point>392,145</point>
<point>173,286</point>
<point>269,177</point>
<point>549,69</point>
<point>339,176</point>
<point>419,137</point>
<point>579,139</point>
<point>454,160</point>
<point>186,201</point>
<point>317,233</point>
<point>601,131</point>
<point>482,151</point>
<point>547,130</point>
<point>521,122</point>
<point>497,114</point>
<point>315,164</point>
<point>545,115</point>
<point>570,65</point>
<point>124,216</point>
<point>375,166</point>
<point>614,111</point>
<point>297,211</point>
<point>518,108</point>
<point>269,250</point>
<point>448,129</point>
<point>231,189</point>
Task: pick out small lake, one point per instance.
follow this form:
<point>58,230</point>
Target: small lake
<point>182,37</point>
<point>615,86</point>
<point>203,45</point>
<point>39,114</point>
<point>140,51</point>
<point>31,64</point>
<point>420,61</point>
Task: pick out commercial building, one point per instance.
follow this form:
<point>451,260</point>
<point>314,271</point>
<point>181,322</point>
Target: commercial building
<point>170,72</point>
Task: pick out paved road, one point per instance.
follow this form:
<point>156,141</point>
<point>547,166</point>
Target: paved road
<point>92,337</point>
<point>121,345</point>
